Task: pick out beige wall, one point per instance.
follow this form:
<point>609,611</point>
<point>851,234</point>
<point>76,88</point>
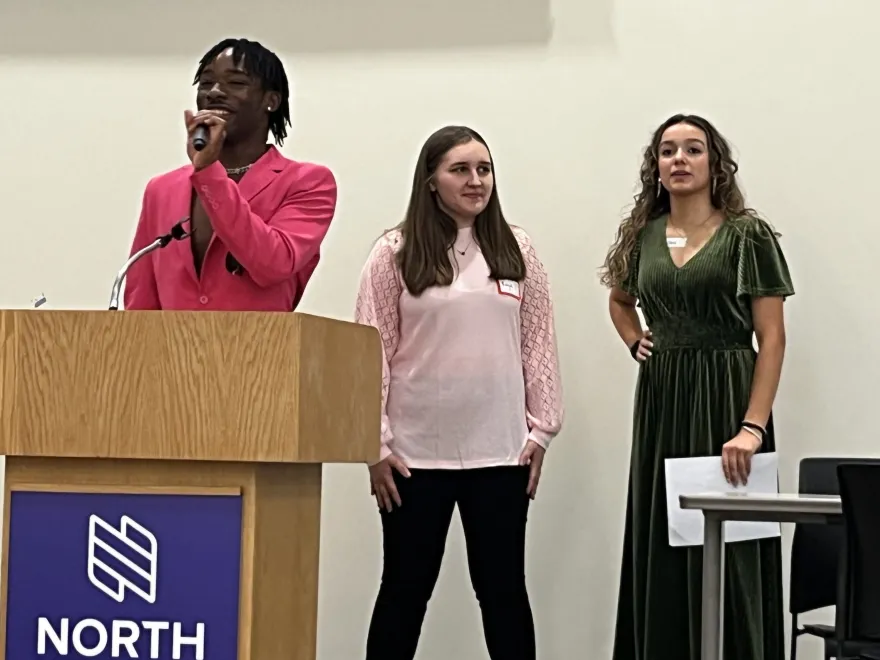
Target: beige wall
<point>566,95</point>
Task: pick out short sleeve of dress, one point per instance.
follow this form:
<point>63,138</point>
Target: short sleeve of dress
<point>762,270</point>
<point>630,283</point>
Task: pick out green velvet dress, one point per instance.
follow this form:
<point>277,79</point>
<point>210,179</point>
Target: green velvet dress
<point>691,396</point>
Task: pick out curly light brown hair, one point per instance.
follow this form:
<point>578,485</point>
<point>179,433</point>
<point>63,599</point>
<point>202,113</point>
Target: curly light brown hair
<point>652,201</point>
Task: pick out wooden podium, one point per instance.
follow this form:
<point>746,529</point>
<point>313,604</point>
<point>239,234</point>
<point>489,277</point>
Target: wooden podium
<point>202,404</point>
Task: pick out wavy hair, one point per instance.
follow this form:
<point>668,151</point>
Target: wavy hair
<point>428,232</point>
<point>652,201</point>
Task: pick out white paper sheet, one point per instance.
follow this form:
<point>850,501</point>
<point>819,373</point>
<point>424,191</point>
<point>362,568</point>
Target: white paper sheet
<point>703,475</point>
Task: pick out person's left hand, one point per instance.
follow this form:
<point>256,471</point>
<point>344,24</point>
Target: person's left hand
<point>533,456</point>
<point>215,122</point>
<point>736,457</point>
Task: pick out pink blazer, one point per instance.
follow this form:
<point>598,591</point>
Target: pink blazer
<point>272,222</point>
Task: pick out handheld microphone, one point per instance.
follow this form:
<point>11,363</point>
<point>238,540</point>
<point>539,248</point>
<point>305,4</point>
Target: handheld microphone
<point>177,233</point>
<point>200,137</point>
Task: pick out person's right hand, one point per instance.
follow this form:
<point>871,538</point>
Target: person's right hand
<point>642,350</point>
<point>382,481</point>
<point>215,121</point>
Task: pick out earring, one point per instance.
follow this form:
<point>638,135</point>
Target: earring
<point>714,185</point>
<point>659,186</point>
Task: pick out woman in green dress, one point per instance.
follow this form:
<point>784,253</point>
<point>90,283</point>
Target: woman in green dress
<point>708,275</point>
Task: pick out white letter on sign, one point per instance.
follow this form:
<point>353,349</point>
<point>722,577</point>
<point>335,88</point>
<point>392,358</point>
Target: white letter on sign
<point>77,638</point>
<point>125,634</point>
<point>59,639</point>
<point>179,640</point>
<point>154,627</point>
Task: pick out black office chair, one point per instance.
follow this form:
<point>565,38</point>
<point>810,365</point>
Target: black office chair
<point>816,577</point>
<point>858,620</point>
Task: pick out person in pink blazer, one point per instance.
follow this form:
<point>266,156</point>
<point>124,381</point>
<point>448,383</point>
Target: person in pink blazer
<point>258,219</point>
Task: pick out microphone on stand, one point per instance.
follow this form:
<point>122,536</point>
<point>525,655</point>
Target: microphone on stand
<point>177,233</point>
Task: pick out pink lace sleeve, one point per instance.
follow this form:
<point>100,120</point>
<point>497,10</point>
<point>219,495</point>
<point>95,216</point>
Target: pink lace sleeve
<point>544,408</point>
<point>377,305</point>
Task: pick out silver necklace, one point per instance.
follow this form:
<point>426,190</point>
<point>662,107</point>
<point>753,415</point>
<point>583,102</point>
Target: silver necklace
<point>235,171</point>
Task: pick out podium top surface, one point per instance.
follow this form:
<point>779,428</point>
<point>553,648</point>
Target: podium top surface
<point>210,386</point>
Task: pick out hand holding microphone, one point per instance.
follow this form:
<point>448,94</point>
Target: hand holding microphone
<point>206,131</point>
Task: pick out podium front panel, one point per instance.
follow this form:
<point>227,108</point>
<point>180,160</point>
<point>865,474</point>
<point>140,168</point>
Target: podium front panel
<point>110,574</point>
<point>107,558</point>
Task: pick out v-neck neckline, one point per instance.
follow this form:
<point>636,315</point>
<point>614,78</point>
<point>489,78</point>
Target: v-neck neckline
<point>696,254</point>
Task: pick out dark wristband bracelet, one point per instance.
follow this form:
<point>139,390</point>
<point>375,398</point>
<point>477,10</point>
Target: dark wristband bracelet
<point>755,427</point>
<point>634,348</point>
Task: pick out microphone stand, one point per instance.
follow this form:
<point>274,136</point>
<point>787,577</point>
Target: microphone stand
<point>177,233</point>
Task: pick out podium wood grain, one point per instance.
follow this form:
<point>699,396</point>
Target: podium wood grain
<point>183,385</point>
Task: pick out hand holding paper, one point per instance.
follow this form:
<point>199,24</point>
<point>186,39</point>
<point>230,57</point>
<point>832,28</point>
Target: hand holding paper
<point>693,476</point>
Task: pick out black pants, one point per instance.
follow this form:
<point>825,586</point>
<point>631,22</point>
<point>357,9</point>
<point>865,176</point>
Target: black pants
<point>493,505</point>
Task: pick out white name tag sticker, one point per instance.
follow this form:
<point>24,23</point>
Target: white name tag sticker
<point>675,241</point>
<point>509,288</point>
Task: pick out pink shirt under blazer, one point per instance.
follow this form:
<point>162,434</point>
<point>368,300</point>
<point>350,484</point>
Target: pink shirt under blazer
<point>272,222</point>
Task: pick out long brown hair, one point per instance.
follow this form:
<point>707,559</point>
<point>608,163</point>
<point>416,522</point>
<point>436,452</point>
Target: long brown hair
<point>428,232</point>
<point>652,201</point>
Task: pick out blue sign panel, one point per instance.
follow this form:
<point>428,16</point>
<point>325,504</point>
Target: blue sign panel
<point>123,576</point>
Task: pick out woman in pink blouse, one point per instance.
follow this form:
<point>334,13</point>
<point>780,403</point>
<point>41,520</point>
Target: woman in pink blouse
<point>471,396</point>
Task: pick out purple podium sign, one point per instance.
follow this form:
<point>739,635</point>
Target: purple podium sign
<point>123,576</point>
